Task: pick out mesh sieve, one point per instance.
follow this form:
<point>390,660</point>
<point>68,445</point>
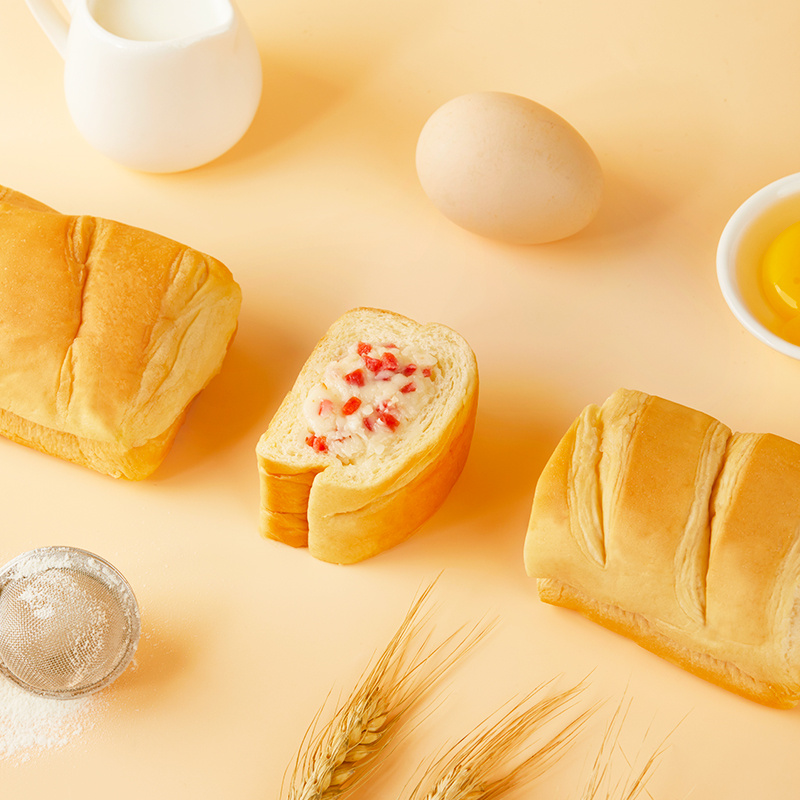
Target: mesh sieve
<point>69,622</point>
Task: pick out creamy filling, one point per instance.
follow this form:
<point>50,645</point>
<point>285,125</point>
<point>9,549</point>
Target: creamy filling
<point>365,397</point>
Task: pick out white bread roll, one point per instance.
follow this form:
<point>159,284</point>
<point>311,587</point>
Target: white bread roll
<point>659,523</point>
<point>346,508</point>
<point>107,332</point>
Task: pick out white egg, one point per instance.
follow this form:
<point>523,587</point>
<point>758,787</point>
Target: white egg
<point>507,168</point>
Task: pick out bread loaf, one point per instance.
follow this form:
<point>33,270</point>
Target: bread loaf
<point>369,441</point>
<point>107,332</point>
<point>660,523</point>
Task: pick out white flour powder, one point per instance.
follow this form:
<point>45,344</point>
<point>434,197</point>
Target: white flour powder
<point>57,622</point>
<point>30,724</point>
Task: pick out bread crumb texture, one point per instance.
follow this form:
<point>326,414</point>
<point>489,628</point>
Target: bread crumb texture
<point>347,509</point>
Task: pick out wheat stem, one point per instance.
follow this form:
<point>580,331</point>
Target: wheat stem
<point>335,757</point>
<point>477,767</point>
<point>599,784</point>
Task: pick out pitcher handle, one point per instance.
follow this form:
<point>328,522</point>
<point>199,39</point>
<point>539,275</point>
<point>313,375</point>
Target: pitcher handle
<point>52,23</point>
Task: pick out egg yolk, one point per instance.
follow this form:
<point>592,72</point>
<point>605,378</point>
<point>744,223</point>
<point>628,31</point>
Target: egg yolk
<point>780,281</point>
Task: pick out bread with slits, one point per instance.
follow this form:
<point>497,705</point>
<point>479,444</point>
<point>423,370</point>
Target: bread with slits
<point>107,332</point>
<point>660,523</point>
<point>347,512</point>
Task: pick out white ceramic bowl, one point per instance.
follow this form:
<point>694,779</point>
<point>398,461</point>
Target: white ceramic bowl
<point>744,240</point>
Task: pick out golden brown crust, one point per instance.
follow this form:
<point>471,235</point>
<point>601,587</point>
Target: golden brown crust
<point>109,458</point>
<point>284,505</point>
<point>107,332</point>
<point>699,535</point>
<point>20,200</point>
<point>347,513</point>
<point>385,520</point>
<point>644,633</point>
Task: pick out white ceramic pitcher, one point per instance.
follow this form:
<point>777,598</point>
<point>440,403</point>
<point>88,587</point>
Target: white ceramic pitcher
<point>156,85</point>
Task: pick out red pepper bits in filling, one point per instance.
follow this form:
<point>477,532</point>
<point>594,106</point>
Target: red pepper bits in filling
<point>318,443</point>
<point>351,406</point>
<point>389,362</point>
<point>355,378</point>
<point>372,364</point>
<point>365,396</point>
<point>389,420</point>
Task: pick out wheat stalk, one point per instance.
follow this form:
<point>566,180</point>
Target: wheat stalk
<point>334,758</point>
<point>598,785</point>
<point>476,768</point>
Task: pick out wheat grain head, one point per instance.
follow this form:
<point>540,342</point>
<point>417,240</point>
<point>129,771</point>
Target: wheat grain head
<point>477,767</point>
<point>335,757</point>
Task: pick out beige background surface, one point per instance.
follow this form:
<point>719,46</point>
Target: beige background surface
<point>690,106</point>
